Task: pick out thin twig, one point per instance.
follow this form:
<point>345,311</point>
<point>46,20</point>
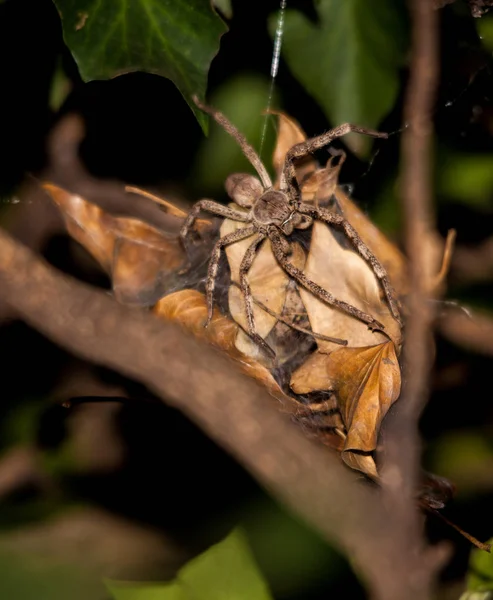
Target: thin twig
<point>473,332</point>
<point>402,445</point>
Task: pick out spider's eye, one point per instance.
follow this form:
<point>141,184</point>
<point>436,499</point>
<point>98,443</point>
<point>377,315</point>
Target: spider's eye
<point>243,189</point>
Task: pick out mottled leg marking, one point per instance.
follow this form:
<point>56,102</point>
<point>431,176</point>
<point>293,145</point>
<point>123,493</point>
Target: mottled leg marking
<point>235,236</point>
<point>288,176</point>
<point>216,209</point>
<point>315,289</point>
<point>245,265</point>
<point>211,207</point>
<point>362,249</point>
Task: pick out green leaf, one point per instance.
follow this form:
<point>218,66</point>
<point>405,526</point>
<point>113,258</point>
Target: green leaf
<point>174,38</point>
<point>477,596</point>
<point>226,571</point>
<point>146,591</point>
<point>23,577</point>
<point>485,31</point>
<point>466,178</point>
<point>349,59</point>
<point>480,574</point>
<point>225,7</point>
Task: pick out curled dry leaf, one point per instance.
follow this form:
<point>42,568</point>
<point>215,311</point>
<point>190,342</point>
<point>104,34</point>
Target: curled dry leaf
<point>367,382</point>
<point>167,206</point>
<point>268,283</point>
<point>189,309</point>
<point>290,133</point>
<point>386,251</point>
<point>141,260</point>
<point>323,182</point>
<point>335,266</point>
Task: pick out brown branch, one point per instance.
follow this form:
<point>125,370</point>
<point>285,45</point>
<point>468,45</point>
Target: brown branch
<point>475,333</point>
<point>471,264</point>
<point>233,409</point>
<point>402,445</point>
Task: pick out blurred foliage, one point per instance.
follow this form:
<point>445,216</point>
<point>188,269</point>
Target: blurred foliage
<point>480,576</point>
<point>292,557</point>
<point>26,578</point>
<point>466,178</point>
<point>225,571</point>
<point>348,58</point>
<point>466,458</point>
<point>242,100</point>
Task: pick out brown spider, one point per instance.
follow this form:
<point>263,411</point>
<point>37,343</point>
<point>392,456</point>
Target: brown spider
<point>274,214</point>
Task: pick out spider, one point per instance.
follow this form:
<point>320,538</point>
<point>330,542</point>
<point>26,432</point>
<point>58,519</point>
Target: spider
<point>274,214</point>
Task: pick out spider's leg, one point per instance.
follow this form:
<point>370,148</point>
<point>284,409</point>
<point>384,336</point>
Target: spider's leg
<point>288,175</point>
<point>211,207</point>
<point>216,209</point>
<point>241,140</point>
<point>245,265</point>
<point>277,246</point>
<point>235,236</point>
<point>362,249</point>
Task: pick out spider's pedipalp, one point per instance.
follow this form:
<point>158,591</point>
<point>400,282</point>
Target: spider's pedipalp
<point>361,248</point>
<point>231,238</point>
<point>244,189</point>
<point>241,140</point>
<point>278,247</point>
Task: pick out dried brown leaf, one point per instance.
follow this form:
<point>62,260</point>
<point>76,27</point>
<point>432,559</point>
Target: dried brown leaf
<point>360,461</point>
<point>290,133</point>
<point>168,207</point>
<point>386,251</point>
<point>335,266</point>
<point>189,309</point>
<point>140,259</point>
<point>268,283</point>
<point>366,382</point>
<point>325,179</point>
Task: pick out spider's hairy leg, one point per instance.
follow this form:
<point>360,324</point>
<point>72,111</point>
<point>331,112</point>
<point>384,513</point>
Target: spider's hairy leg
<point>214,208</point>
<point>211,207</point>
<point>235,236</point>
<point>241,140</point>
<point>362,249</point>
<point>288,175</point>
<point>245,265</point>
<point>277,246</point>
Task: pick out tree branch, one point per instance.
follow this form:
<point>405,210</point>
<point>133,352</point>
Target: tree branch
<point>402,444</point>
<point>233,409</point>
<point>474,334</point>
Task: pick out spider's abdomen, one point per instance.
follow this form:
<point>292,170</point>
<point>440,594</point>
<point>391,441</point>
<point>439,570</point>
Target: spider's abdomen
<point>272,209</point>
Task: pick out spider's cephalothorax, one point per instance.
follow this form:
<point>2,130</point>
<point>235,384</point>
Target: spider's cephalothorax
<point>269,207</point>
<point>274,214</point>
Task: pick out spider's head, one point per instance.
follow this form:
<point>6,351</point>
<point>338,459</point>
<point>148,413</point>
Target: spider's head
<point>244,189</point>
